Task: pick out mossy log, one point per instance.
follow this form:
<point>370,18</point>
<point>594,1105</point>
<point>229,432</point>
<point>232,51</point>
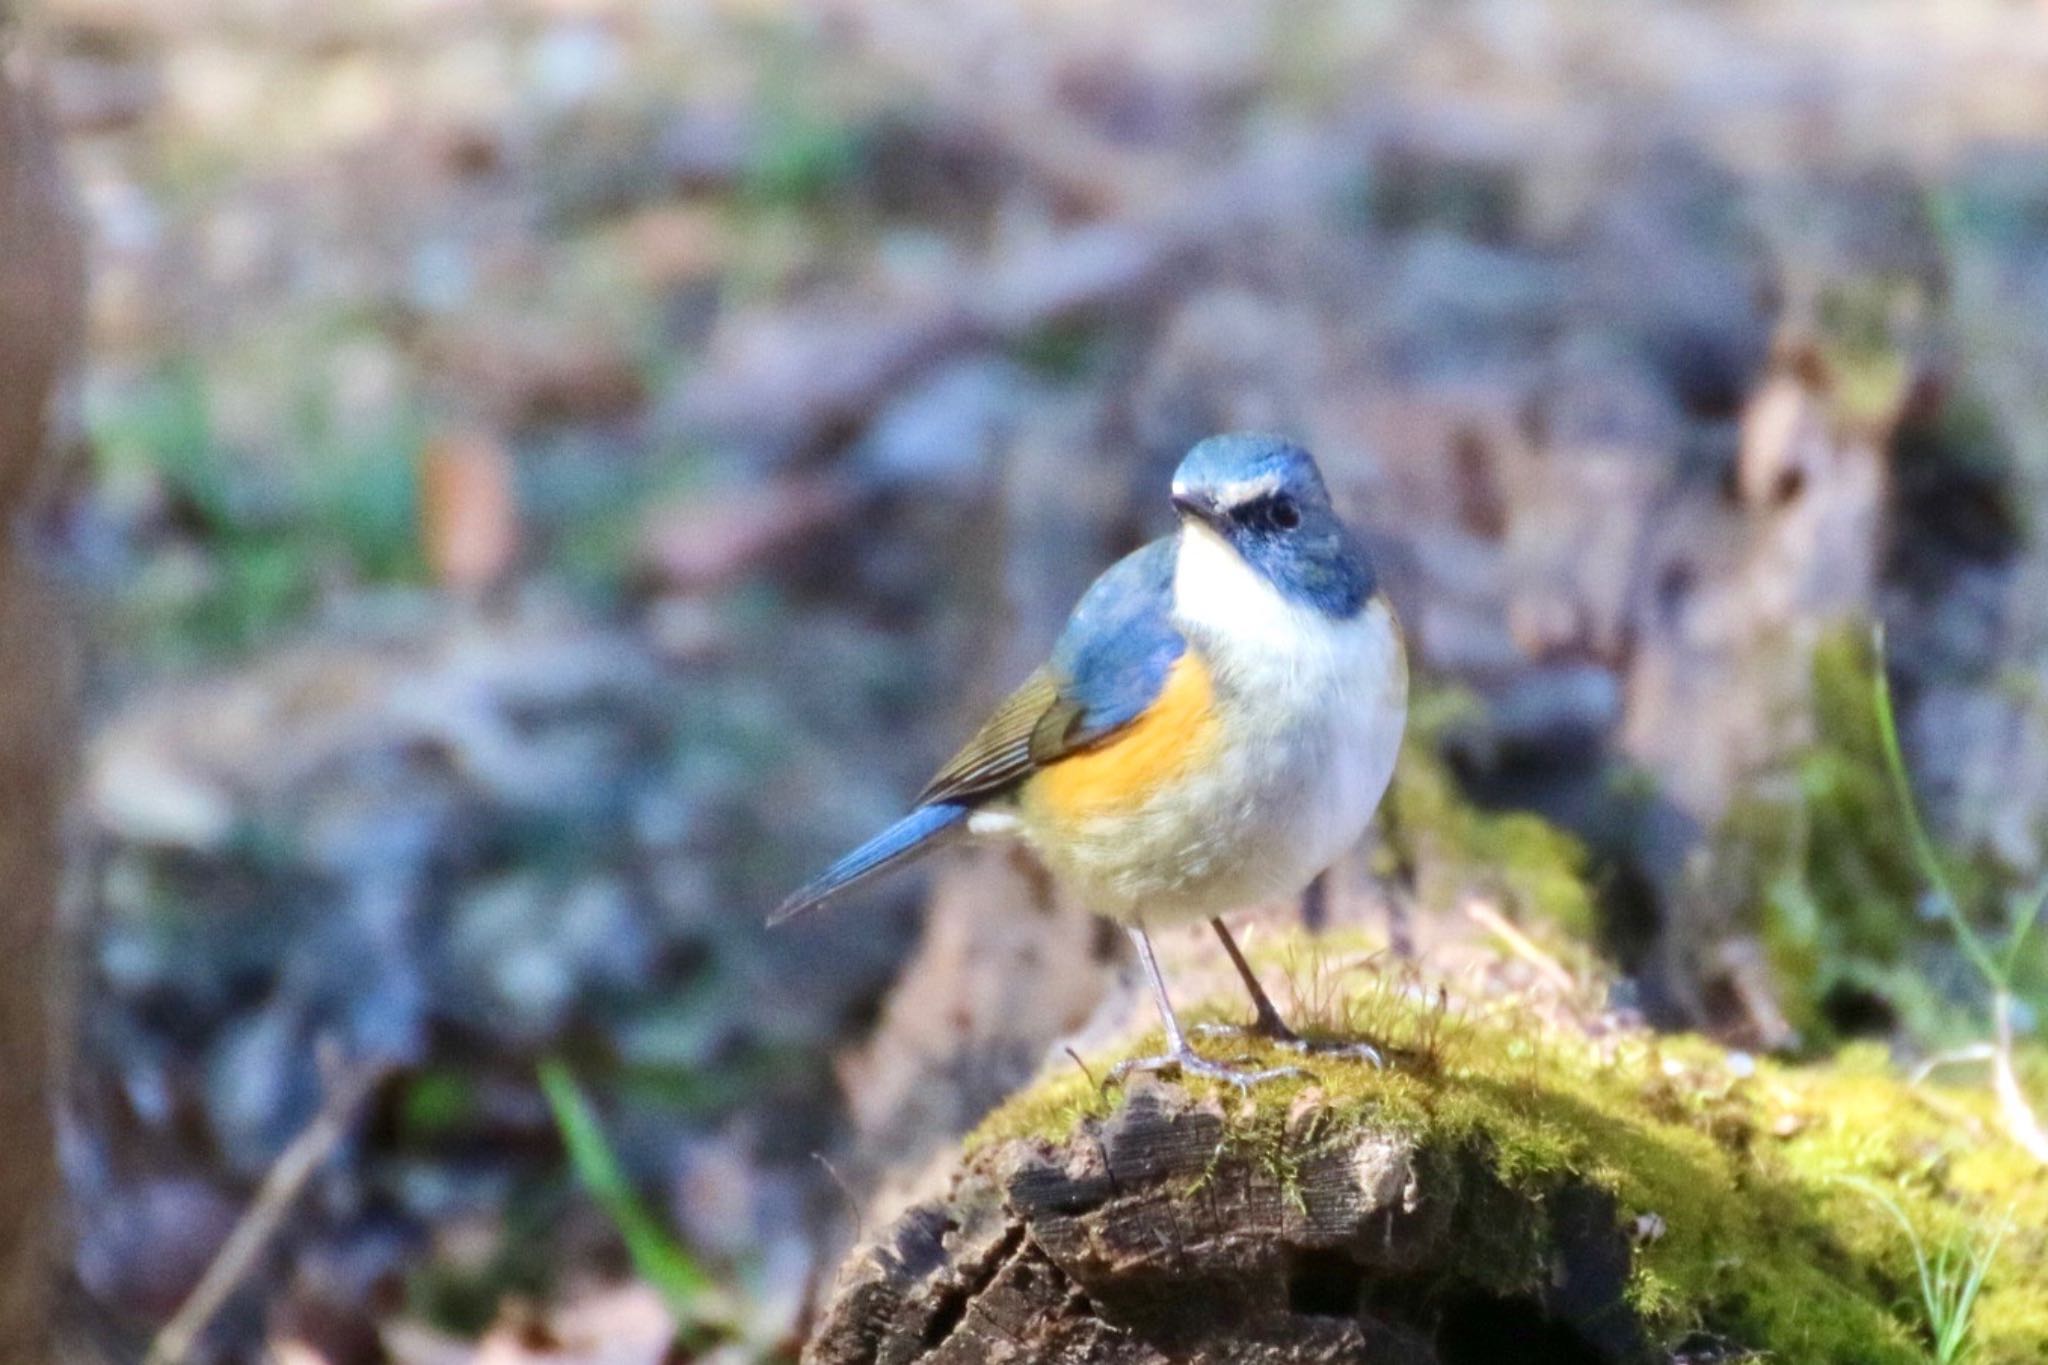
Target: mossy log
<point>1514,1186</point>
<point>1149,1239</point>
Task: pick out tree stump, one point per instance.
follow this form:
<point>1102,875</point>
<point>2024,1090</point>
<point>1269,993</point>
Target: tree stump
<point>1155,1238</point>
<point>1526,1180</point>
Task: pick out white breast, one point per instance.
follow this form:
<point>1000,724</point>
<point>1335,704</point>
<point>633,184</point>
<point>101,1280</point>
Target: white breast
<point>1314,709</point>
<point>1310,712</point>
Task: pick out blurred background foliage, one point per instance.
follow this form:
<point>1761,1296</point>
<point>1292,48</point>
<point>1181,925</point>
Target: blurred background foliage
<point>552,472</point>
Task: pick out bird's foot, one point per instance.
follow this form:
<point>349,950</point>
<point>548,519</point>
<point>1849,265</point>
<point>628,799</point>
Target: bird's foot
<point>1187,1063</point>
<point>1279,1035</point>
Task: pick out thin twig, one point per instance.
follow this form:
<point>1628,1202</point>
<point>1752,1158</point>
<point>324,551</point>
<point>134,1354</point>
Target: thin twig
<point>860,1231</point>
<point>281,1187</point>
<point>2013,1106</point>
<point>1962,1056</point>
<point>1482,913</point>
<point>2015,1110</point>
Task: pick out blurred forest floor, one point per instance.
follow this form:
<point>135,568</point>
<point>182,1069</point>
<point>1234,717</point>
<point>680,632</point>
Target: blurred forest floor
<point>552,472</point>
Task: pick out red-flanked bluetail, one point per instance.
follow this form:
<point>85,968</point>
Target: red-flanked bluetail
<point>1215,726</point>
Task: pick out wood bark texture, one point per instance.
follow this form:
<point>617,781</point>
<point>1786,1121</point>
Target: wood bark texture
<point>1155,1237</point>
<point>41,308</point>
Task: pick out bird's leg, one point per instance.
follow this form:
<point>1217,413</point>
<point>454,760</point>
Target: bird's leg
<point>1266,1021</point>
<point>1178,1055</point>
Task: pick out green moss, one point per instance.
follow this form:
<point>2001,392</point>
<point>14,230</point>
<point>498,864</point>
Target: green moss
<point>1864,328</point>
<point>259,537</point>
<point>1451,848</point>
<point>1743,1162</point>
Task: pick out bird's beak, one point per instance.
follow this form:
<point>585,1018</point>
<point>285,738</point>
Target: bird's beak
<point>1199,507</point>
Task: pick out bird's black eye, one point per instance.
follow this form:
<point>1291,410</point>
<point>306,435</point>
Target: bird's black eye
<point>1273,512</point>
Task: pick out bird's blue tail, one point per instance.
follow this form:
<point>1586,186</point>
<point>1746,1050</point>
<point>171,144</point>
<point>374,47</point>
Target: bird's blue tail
<point>913,836</point>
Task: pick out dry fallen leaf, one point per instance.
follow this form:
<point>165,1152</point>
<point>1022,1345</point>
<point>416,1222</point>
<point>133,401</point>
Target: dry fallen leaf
<point>628,1325</point>
<point>469,511</point>
<point>523,371</point>
<point>672,245</point>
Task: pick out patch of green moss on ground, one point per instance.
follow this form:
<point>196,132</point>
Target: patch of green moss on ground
<point>1745,1163</point>
<point>1451,847</point>
<point>1866,331</point>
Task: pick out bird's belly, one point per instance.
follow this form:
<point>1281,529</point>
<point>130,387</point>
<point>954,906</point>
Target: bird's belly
<point>1294,763</point>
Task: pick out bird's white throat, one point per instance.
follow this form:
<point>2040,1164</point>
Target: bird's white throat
<point>1232,605</point>
<point>1296,659</point>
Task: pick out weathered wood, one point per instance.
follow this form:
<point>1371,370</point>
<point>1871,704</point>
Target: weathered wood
<point>41,307</point>
<point>1156,1236</point>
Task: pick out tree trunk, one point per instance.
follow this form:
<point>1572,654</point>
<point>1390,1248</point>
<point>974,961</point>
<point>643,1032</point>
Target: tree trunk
<point>41,309</point>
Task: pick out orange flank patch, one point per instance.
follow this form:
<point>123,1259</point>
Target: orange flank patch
<point>1174,735</point>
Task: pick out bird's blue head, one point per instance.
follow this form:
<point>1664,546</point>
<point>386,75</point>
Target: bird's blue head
<point>1264,497</point>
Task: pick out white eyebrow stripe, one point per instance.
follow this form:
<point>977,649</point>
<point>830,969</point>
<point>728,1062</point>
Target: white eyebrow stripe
<point>1250,490</point>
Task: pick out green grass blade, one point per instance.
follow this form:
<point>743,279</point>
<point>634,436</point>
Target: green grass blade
<point>1965,1305</point>
<point>1950,1284</point>
<point>1930,1298</point>
<point>1923,846</point>
<point>657,1256</point>
<point>2023,929</point>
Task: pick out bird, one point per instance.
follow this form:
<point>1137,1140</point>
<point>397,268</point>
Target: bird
<point>1217,723</point>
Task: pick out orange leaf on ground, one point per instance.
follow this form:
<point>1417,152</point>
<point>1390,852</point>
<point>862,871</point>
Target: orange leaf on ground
<point>469,511</point>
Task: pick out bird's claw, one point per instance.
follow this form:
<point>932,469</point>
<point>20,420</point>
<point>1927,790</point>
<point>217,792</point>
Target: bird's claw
<point>1357,1052</point>
<point>1187,1063</point>
<point>1281,1036</point>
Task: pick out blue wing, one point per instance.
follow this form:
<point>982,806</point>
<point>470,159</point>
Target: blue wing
<point>1119,645</point>
<point>1106,668</point>
<point>1108,665</point>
